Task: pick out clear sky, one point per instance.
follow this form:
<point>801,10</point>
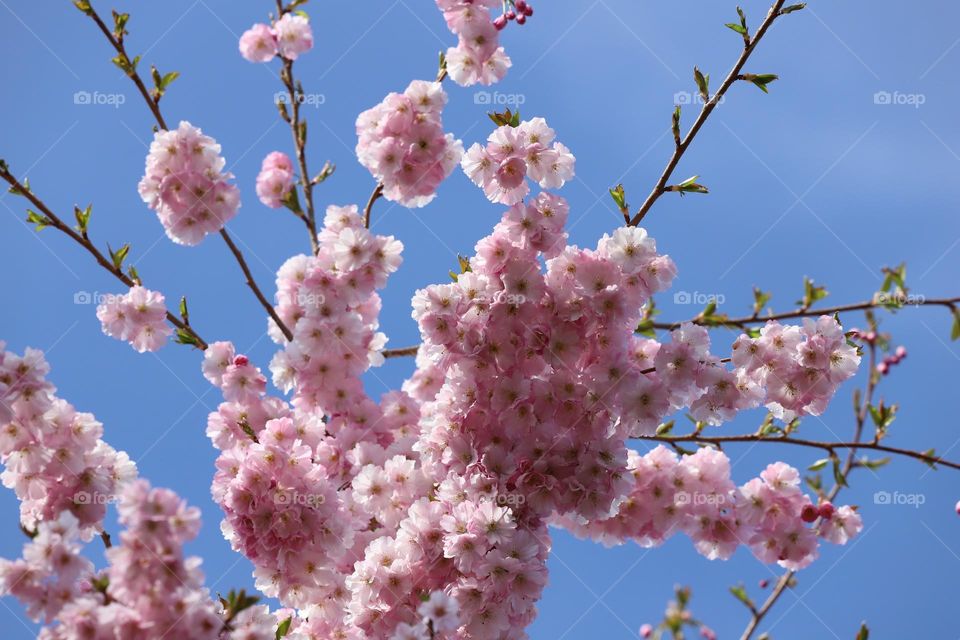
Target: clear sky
<point>816,179</point>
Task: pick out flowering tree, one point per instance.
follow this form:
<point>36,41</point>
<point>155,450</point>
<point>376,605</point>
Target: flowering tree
<point>425,513</point>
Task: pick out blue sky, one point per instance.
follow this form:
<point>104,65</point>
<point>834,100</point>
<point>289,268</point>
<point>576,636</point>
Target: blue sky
<point>816,179</point>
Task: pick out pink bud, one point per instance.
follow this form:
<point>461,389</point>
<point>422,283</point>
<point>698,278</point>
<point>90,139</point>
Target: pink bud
<point>241,361</point>
<point>870,336</point>
<point>521,19</point>
<point>500,23</point>
<point>764,583</point>
<point>826,510</point>
<point>528,11</point>
<point>646,631</point>
<point>809,513</point>
<point>521,6</point>
<point>883,368</point>
<point>707,633</point>
<point>511,15</point>
<point>958,508</point>
<point>901,352</point>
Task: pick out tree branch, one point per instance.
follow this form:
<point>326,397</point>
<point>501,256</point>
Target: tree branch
<point>661,187</point>
<point>377,192</point>
<point>84,241</point>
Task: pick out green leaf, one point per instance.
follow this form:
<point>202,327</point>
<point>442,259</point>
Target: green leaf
<point>132,271</point>
<point>690,185</point>
<point>740,593</point>
<point>619,197</point>
<point>666,428</point>
<point>283,628</point>
<point>761,80</point>
<point>325,172</point>
<point>292,201</point>
<point>19,191</point>
<point>41,222</point>
<point>185,337</point>
<point>119,24</point>
<point>864,632</point>
<point>760,300</point>
<point>736,27</point>
<point>83,218</point>
<point>84,5</point>
<point>792,8</point>
<point>184,312</point>
<point>675,125</point>
<point>838,475</point>
<point>703,84</point>
<point>505,119</point>
<point>819,464</point>
<point>119,255</point>
<point>874,464</point>
<point>811,293</point>
<point>955,332</point>
<point>930,453</point>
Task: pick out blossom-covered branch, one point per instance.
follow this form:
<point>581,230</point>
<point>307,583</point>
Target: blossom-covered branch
<point>193,212</point>
<point>113,264</point>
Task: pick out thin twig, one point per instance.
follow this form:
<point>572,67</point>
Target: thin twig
<point>298,129</point>
<point>400,353</point>
<point>801,313</point>
<point>84,241</point>
<point>154,106</point>
<point>253,285</point>
<point>661,187</point>
<point>377,192</point>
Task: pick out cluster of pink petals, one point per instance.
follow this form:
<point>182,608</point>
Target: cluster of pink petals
<point>402,143</point>
<point>138,317</point>
<point>53,456</point>
<point>478,56</point>
<point>275,179</point>
<point>695,495</point>
<point>290,36</point>
<point>512,154</point>
<point>185,184</point>
<point>801,367</point>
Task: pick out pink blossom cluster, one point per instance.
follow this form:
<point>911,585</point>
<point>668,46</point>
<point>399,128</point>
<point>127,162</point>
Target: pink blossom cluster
<point>402,143</point>
<point>290,36</point>
<point>695,495</point>
<point>54,458</point>
<point>800,367</point>
<point>186,185</point>
<point>478,56</point>
<point>275,179</point>
<point>512,154</point>
<point>138,317</point>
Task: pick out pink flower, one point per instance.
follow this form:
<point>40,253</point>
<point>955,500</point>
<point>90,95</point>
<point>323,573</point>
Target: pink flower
<point>294,35</point>
<point>138,317</point>
<point>258,44</point>
<point>275,179</point>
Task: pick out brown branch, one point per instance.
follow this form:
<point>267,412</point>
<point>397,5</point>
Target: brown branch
<point>377,192</point>
<point>829,447</point>
<point>253,285</point>
<point>400,353</point>
<point>661,187</point>
<point>299,131</point>
<point>118,45</point>
<point>84,241</point>
<point>154,106</point>
<point>742,322</point>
